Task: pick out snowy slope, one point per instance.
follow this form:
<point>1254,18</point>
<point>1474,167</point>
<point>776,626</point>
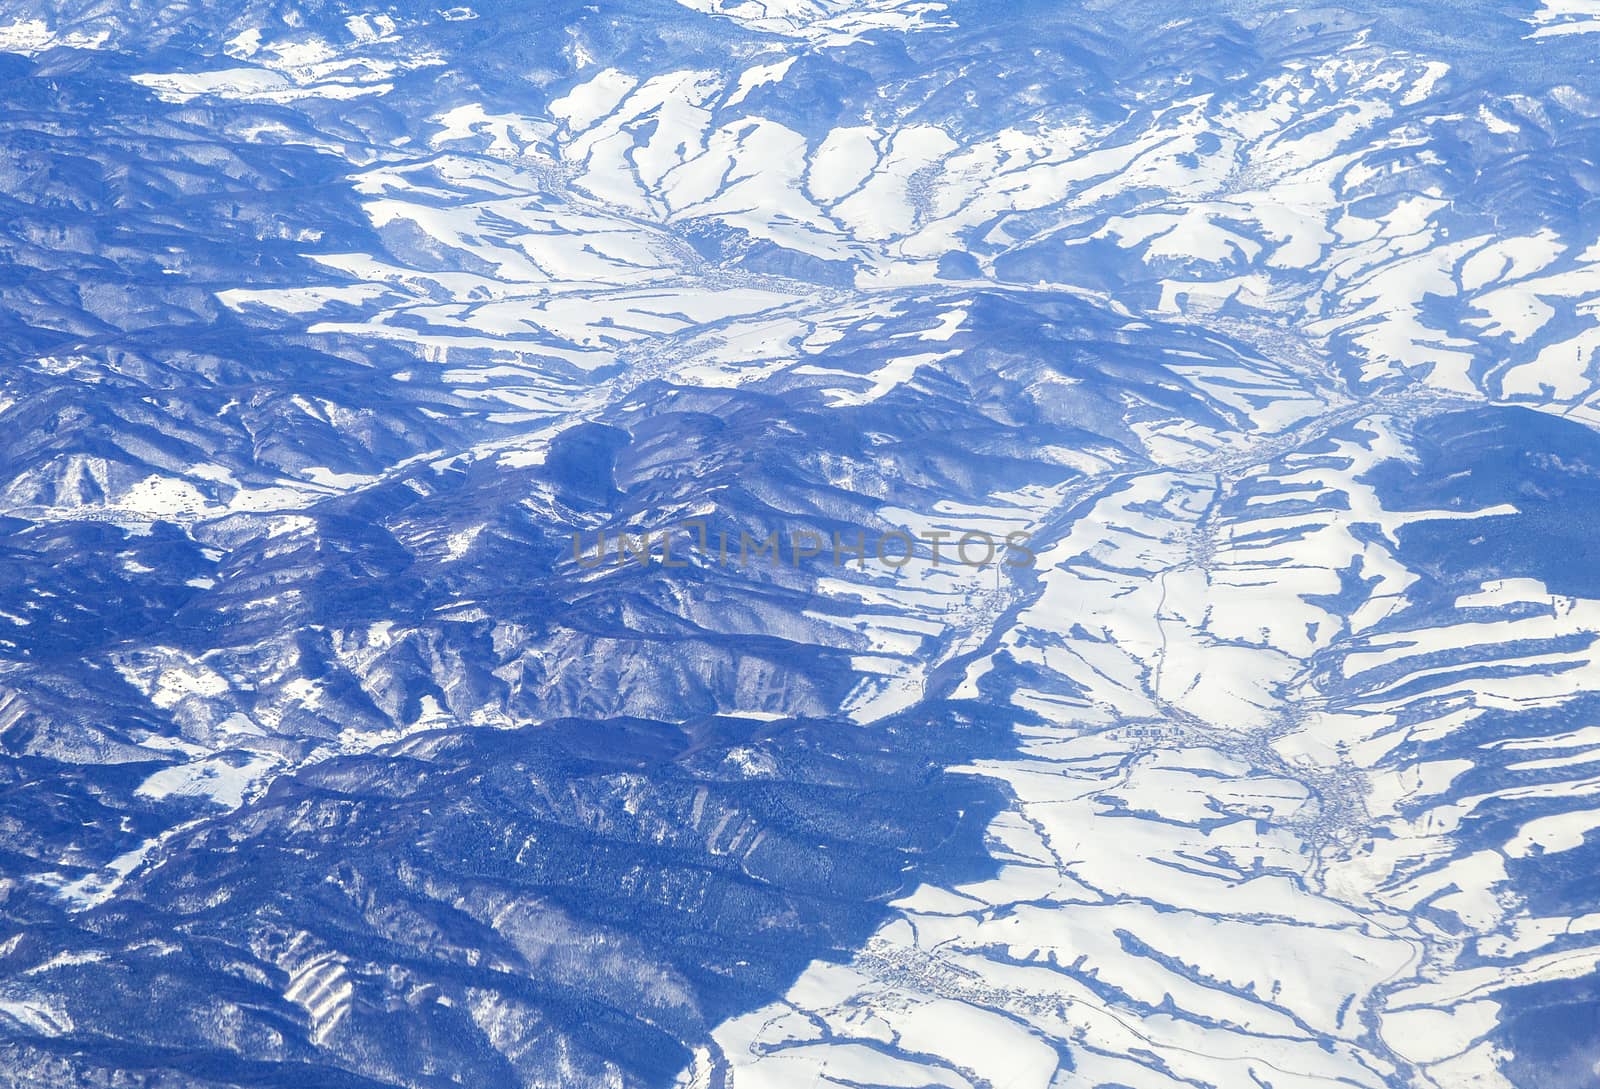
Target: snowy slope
<point>327,761</point>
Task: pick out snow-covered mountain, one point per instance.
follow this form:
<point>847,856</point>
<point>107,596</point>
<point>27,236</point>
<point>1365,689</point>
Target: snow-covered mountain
<point>1261,756</point>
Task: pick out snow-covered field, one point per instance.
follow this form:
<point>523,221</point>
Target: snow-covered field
<point>1271,333</point>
